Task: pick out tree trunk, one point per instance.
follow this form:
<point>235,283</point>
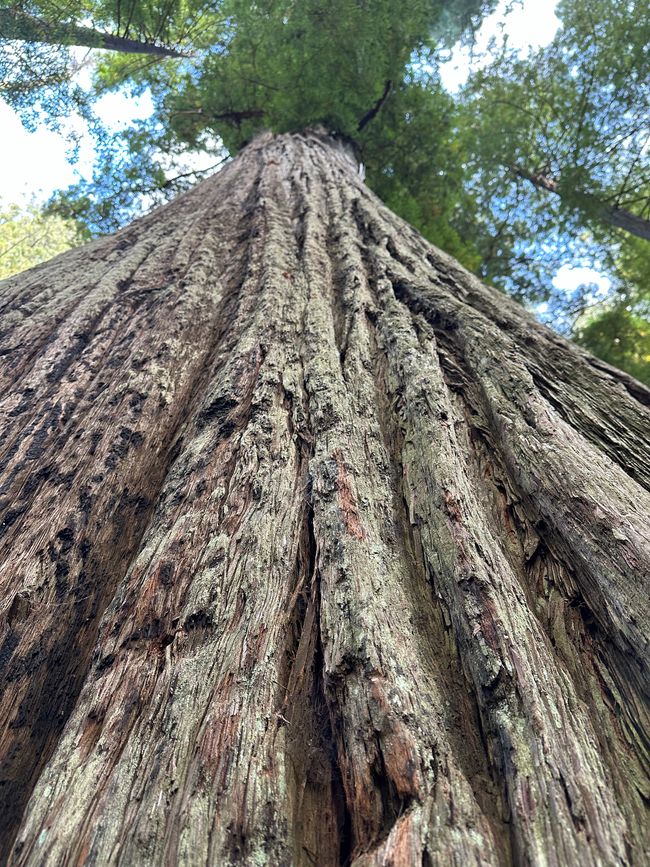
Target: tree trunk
<point>21,26</point>
<point>315,550</point>
<point>619,218</point>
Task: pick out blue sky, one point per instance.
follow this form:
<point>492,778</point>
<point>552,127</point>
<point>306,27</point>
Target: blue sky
<point>35,164</point>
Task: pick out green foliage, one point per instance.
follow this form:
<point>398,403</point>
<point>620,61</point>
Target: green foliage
<point>573,115</point>
<point>134,170</point>
<point>36,79</point>
<point>418,174</point>
<point>285,66</point>
<point>576,116</point>
<point>28,237</point>
<point>620,337</point>
<point>618,329</point>
<point>249,66</point>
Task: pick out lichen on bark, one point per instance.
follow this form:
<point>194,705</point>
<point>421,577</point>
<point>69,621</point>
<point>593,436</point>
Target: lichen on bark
<point>315,550</point>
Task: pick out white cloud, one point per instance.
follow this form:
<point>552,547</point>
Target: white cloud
<point>37,163</point>
<point>118,110</point>
<point>568,278</point>
<point>530,24</point>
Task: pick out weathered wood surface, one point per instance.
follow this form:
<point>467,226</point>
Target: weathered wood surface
<point>314,549</point>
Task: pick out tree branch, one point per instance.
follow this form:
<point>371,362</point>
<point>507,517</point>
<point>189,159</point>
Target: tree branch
<point>238,116</point>
<point>619,218</point>
<point>368,116</point>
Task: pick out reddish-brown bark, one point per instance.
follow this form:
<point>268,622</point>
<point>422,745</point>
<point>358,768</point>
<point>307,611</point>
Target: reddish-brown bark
<point>314,549</point>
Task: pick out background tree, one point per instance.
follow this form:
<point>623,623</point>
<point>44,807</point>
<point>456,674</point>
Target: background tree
<point>44,44</point>
<point>560,164</point>
<point>29,237</point>
<point>52,24</point>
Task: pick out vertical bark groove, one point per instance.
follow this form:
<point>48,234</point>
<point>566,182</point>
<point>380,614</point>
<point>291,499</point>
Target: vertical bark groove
<point>314,549</point>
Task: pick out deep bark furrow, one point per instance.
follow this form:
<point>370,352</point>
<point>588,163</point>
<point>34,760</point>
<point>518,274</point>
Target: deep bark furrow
<point>358,577</point>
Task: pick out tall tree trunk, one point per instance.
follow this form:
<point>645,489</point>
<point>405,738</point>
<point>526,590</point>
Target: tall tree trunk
<point>619,218</point>
<point>315,550</point>
<point>21,26</point>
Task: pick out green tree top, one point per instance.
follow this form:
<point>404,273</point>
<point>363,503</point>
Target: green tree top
<point>543,160</point>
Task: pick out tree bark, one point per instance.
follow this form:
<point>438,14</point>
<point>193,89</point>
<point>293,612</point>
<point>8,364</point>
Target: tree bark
<point>619,218</point>
<point>315,550</point>
<point>21,26</point>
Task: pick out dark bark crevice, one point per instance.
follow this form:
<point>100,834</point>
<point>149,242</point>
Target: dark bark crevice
<point>321,823</point>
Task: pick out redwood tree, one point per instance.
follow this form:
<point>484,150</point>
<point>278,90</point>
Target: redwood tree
<point>315,550</point>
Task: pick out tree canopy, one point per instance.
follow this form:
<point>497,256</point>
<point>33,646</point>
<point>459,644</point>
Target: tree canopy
<point>560,141</point>
<point>541,161</point>
<point>29,237</point>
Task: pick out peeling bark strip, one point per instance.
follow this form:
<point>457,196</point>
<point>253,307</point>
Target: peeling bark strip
<point>347,501</point>
<point>314,549</point>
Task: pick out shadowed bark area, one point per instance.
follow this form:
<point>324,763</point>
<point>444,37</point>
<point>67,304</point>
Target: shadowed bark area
<point>315,550</point>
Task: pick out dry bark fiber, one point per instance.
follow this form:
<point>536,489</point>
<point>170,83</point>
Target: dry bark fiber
<point>314,550</point>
